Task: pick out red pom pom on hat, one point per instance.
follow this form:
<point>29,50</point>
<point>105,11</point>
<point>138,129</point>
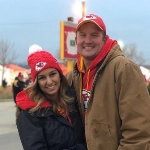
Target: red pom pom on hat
<point>39,60</point>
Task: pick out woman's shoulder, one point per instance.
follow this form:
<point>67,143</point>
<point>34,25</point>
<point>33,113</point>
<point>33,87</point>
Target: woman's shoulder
<point>41,113</point>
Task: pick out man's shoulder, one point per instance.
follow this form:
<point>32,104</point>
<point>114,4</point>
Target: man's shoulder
<point>69,77</point>
<point>122,60</point>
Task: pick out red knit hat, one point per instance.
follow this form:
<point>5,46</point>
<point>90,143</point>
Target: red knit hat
<point>39,60</point>
<point>94,19</point>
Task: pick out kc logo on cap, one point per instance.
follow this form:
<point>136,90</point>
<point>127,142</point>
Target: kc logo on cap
<point>89,17</point>
<point>39,66</point>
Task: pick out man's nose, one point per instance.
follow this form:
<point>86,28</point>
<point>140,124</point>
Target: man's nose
<point>88,39</point>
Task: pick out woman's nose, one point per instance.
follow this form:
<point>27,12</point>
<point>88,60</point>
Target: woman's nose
<point>49,80</point>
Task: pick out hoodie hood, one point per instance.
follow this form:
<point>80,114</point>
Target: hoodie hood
<point>24,102</point>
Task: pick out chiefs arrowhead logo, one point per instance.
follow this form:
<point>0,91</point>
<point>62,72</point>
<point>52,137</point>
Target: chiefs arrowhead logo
<point>39,66</point>
<point>89,17</point>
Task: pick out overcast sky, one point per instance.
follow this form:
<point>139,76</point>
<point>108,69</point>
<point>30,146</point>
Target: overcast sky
<point>27,22</point>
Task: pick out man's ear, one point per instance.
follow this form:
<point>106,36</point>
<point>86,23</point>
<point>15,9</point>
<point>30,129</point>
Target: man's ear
<point>76,40</point>
<point>104,38</point>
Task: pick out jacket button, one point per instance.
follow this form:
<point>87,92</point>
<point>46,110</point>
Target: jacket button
<point>32,114</point>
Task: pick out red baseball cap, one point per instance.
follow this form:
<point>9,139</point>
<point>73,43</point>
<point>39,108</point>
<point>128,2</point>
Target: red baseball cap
<point>92,18</point>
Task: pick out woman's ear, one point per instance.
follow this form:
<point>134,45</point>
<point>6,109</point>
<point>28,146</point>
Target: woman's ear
<point>60,78</point>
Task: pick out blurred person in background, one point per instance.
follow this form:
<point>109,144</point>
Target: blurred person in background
<point>4,83</point>
<point>49,117</point>
<point>17,86</point>
<point>29,79</point>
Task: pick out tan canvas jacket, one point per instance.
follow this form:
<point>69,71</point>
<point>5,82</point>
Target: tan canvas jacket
<point>118,112</point>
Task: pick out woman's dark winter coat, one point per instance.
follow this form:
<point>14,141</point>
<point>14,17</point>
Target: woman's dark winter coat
<point>44,130</point>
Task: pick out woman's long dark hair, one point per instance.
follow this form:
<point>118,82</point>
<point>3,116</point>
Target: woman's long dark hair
<point>36,94</point>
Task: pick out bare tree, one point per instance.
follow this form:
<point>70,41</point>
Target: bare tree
<point>7,54</point>
<point>130,51</point>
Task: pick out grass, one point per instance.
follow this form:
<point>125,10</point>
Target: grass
<point>6,93</point>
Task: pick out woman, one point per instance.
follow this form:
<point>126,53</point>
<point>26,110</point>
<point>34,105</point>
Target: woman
<point>49,118</point>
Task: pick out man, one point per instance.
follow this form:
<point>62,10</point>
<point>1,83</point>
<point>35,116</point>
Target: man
<point>18,86</point>
<point>111,91</point>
